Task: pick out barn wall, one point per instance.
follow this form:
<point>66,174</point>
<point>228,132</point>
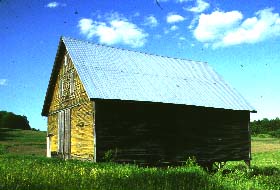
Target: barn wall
<point>81,112</point>
<point>52,129</point>
<point>153,133</point>
<point>82,131</point>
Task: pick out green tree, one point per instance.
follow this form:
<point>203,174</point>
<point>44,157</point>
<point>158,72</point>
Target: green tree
<point>11,120</point>
<point>266,126</point>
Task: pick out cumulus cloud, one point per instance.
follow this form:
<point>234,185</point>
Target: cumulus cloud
<point>3,82</point>
<point>213,26</point>
<point>193,22</point>
<point>54,4</point>
<point>229,28</point>
<point>200,7</point>
<point>173,28</point>
<point>172,18</point>
<point>150,21</point>
<point>182,38</point>
<point>113,31</point>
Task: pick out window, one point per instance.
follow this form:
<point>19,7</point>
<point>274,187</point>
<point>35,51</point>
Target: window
<point>65,63</point>
<point>65,60</point>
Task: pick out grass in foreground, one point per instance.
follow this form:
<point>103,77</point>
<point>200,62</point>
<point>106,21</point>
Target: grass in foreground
<point>19,171</point>
<point>42,173</point>
<point>31,172</point>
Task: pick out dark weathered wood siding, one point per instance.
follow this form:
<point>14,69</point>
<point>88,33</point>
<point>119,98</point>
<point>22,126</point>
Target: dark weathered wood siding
<point>153,133</point>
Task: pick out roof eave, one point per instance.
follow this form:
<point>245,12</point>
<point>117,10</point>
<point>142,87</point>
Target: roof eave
<point>101,99</point>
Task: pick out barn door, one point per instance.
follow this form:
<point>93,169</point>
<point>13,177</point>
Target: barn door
<point>64,133</point>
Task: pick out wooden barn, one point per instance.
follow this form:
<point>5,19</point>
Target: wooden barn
<point>137,107</point>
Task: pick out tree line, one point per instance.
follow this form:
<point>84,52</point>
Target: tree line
<point>13,121</point>
<point>266,126</point>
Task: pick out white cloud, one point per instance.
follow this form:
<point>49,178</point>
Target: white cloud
<point>52,4</point>
<point>150,21</point>
<point>200,6</point>
<point>3,82</point>
<point>55,4</point>
<point>85,25</point>
<point>114,31</point>
<point>213,26</point>
<point>172,18</point>
<point>173,28</point>
<point>182,38</point>
<point>228,28</point>
<point>193,22</point>
<point>166,31</point>
<point>264,25</point>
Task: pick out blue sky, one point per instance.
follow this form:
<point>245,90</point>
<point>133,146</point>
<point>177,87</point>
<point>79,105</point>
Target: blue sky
<point>239,39</point>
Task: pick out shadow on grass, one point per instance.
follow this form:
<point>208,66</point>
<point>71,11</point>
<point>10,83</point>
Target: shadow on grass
<point>254,170</point>
<point>265,171</point>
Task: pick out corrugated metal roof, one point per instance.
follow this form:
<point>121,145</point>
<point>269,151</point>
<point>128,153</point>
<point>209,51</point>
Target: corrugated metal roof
<point>112,73</point>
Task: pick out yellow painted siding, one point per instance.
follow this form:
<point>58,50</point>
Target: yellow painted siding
<point>52,128</point>
<point>82,133</point>
<point>81,112</point>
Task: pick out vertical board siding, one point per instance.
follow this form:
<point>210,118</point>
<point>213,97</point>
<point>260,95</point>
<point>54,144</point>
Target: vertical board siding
<point>157,133</point>
<point>70,98</point>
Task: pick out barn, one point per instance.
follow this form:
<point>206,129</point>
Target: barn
<point>136,107</point>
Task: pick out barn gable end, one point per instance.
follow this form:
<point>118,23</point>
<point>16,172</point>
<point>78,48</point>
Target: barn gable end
<point>70,112</point>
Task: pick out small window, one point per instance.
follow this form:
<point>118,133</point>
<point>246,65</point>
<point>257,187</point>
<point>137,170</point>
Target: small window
<point>65,68</point>
<point>65,60</point>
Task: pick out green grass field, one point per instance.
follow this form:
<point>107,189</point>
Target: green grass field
<point>22,142</point>
<point>22,166</point>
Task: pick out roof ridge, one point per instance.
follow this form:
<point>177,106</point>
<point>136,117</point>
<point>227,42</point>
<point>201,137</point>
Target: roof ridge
<point>141,52</point>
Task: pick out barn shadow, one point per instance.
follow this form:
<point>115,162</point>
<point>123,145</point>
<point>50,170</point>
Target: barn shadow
<point>265,171</point>
<point>254,170</point>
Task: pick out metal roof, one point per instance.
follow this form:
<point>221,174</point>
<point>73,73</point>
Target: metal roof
<point>113,73</point>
